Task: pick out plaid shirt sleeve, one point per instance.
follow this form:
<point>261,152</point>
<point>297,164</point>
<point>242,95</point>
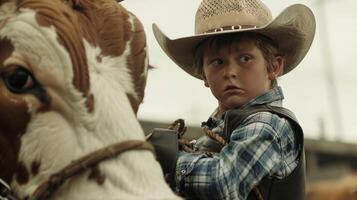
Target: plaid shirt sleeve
<point>255,150</point>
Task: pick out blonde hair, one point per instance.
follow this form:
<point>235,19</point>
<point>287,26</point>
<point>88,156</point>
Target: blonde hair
<point>266,45</point>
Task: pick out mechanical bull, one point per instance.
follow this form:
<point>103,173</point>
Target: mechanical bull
<point>72,76</point>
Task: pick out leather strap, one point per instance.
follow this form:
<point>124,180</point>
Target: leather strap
<point>46,189</point>
<point>166,145</point>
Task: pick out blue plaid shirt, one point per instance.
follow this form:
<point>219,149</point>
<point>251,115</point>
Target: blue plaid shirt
<point>264,144</point>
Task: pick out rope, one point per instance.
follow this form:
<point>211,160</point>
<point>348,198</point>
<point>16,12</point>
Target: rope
<point>184,144</point>
<point>179,126</point>
<point>214,136</point>
<point>47,188</point>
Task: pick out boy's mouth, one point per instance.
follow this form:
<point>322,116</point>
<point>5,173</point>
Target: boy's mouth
<point>232,89</point>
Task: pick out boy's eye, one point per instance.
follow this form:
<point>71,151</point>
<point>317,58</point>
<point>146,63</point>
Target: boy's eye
<point>244,59</point>
<point>216,62</point>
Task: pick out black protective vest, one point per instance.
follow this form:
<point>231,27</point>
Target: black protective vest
<point>291,187</point>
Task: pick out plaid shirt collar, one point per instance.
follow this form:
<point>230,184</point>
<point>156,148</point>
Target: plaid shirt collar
<point>272,97</point>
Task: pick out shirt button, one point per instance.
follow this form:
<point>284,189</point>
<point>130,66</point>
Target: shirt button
<point>183,171</point>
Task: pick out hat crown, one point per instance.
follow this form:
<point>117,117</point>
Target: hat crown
<point>215,14</point>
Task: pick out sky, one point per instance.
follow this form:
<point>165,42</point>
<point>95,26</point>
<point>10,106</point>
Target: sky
<point>324,103</point>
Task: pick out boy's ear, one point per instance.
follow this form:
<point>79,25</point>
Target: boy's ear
<point>205,81</point>
<point>278,67</point>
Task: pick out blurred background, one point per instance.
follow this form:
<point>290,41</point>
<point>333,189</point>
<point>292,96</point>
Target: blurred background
<point>321,91</point>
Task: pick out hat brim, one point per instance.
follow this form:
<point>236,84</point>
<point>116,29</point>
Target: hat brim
<point>293,30</point>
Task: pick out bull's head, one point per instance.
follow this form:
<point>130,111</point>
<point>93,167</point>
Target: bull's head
<point>67,71</point>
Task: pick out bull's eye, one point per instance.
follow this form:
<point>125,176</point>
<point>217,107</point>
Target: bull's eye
<point>19,80</point>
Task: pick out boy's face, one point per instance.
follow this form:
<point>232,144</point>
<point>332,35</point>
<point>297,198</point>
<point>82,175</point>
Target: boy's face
<point>236,73</point>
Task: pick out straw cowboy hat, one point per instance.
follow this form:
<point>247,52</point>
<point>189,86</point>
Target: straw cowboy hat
<point>292,30</point>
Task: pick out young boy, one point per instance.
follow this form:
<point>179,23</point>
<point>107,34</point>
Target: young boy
<point>239,51</point>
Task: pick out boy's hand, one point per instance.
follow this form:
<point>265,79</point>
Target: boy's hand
<point>185,145</point>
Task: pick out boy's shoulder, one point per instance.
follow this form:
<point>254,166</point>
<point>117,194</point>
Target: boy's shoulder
<point>272,120</point>
<point>278,119</point>
<point>264,113</point>
<point>264,117</point>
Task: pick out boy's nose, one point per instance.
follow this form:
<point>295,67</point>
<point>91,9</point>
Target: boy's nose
<point>231,71</point>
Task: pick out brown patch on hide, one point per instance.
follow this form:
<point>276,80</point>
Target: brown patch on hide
<point>134,103</point>
<point>136,62</point>
<point>14,118</point>
<point>60,16</point>
<point>96,175</point>
<point>111,33</point>
<point>109,20</point>
<point>35,168</point>
<point>99,59</point>
<point>90,103</point>
<point>103,23</point>
<point>21,175</point>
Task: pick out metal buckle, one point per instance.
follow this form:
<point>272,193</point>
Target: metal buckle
<point>4,188</point>
<point>5,191</point>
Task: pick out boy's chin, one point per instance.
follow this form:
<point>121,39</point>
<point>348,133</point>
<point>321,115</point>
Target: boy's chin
<point>234,103</point>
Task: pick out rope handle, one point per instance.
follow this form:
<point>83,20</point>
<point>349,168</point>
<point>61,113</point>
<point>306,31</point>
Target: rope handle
<point>215,136</point>
<point>187,145</point>
<point>179,126</point>
<point>184,144</point>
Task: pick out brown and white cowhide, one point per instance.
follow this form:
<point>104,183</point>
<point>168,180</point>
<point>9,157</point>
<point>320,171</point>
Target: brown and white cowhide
<point>72,76</point>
